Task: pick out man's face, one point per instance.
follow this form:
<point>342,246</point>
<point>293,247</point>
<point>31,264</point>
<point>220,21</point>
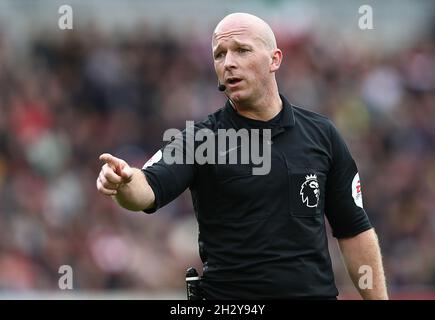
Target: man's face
<point>242,62</point>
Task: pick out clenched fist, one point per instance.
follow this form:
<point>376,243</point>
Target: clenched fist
<point>114,173</point>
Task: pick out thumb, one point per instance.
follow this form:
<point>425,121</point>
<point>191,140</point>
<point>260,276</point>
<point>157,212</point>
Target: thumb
<point>126,173</point>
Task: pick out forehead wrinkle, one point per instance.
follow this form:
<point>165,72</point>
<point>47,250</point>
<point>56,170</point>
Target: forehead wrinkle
<point>260,33</point>
<point>240,31</point>
<point>237,42</point>
<point>235,32</point>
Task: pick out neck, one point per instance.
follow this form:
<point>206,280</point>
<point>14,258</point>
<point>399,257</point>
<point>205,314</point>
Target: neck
<point>264,109</point>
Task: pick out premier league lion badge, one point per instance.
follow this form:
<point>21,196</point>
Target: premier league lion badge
<point>310,191</point>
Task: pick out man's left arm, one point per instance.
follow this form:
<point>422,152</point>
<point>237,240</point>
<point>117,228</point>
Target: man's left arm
<point>363,250</point>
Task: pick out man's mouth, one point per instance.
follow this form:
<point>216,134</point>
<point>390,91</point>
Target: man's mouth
<point>233,80</point>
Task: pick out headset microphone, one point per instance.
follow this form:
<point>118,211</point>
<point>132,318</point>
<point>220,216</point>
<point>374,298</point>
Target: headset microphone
<point>222,88</point>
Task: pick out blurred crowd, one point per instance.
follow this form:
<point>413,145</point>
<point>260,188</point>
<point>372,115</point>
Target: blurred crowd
<point>66,99</point>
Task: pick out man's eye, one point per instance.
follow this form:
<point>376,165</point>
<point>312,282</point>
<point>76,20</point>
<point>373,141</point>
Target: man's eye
<point>243,50</point>
<point>218,55</point>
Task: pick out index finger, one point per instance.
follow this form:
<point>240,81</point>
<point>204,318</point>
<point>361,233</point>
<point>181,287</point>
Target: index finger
<point>109,159</point>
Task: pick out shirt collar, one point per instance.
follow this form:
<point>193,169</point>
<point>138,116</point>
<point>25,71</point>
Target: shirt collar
<point>287,119</point>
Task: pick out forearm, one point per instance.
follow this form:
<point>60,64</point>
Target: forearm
<point>363,260</point>
<point>136,195</point>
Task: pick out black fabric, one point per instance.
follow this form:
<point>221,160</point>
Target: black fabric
<point>264,237</point>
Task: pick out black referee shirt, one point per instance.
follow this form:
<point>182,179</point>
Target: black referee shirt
<point>264,236</point>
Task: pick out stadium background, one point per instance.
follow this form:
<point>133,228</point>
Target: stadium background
<point>131,69</point>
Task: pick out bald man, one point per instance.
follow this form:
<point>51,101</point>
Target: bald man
<point>261,236</point>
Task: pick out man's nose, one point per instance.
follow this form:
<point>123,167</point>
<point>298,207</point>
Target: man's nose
<point>230,62</point>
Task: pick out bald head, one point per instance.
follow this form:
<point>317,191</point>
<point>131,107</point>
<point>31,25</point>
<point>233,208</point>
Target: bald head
<point>247,22</point>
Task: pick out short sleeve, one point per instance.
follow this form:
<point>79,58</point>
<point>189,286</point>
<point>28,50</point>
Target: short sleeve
<point>343,204</point>
<point>168,173</point>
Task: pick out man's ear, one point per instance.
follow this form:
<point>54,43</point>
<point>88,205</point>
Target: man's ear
<point>276,60</point>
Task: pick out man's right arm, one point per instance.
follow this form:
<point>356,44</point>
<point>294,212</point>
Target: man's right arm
<point>127,185</point>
